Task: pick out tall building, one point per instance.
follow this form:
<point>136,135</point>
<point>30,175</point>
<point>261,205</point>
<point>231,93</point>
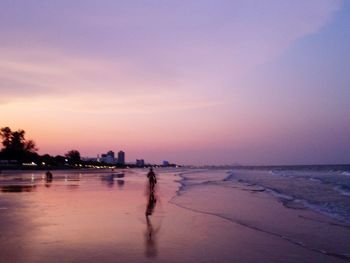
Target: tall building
<point>121,157</point>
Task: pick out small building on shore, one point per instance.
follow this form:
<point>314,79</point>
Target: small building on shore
<point>108,157</point>
<point>140,162</point>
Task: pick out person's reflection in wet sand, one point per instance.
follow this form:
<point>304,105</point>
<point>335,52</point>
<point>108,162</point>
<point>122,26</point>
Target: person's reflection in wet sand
<point>108,180</point>
<point>150,236</point>
<point>48,182</point>
<point>151,204</point>
<point>120,183</point>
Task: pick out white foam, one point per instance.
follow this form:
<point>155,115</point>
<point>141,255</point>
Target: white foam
<point>315,180</point>
<point>280,195</point>
<point>342,191</point>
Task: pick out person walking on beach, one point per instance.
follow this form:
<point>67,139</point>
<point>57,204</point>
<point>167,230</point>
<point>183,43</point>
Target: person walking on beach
<point>152,179</point>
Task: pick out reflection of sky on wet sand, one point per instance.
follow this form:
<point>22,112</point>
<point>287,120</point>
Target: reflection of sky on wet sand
<point>77,216</point>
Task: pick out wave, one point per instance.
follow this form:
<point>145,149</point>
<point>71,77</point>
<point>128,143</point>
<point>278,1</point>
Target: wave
<point>250,226</point>
<point>288,201</point>
<point>324,192</point>
<point>343,190</point>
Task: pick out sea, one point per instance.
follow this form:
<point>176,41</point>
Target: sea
<point>316,202</point>
<point>322,188</point>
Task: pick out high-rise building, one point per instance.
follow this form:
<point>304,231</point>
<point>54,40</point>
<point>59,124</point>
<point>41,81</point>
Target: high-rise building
<point>121,157</point>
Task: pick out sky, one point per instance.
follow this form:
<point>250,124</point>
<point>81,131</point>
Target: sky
<point>192,82</point>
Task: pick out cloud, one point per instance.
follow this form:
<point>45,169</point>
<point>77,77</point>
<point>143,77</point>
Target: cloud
<point>52,72</point>
<point>119,47</point>
<point>208,34</point>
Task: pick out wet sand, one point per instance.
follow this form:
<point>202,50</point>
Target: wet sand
<point>90,217</point>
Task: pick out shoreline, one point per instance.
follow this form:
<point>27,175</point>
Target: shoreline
<point>323,221</point>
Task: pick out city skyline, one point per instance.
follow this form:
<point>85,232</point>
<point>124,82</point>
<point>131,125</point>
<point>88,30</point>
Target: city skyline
<point>209,82</point>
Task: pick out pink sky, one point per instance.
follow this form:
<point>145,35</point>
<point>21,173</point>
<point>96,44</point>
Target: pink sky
<point>215,82</point>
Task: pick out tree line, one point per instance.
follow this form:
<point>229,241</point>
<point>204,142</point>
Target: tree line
<point>16,149</point>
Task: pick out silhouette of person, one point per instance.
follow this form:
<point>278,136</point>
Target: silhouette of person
<point>48,176</point>
<point>152,179</point>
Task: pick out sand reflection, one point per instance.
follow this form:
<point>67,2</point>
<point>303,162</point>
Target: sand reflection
<point>17,188</point>
<point>150,235</point>
<point>48,181</point>
<point>109,180</point>
<point>120,183</point>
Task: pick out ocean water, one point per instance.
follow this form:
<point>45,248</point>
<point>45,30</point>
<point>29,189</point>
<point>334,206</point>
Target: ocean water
<point>305,206</point>
<point>323,189</point>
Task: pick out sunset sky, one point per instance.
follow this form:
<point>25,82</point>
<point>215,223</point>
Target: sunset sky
<point>192,82</point>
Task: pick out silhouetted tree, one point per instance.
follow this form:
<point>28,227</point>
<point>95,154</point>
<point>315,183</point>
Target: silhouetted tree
<point>15,146</point>
<point>73,156</point>
<point>6,134</point>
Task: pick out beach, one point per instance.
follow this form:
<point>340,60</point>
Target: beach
<point>198,215</point>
